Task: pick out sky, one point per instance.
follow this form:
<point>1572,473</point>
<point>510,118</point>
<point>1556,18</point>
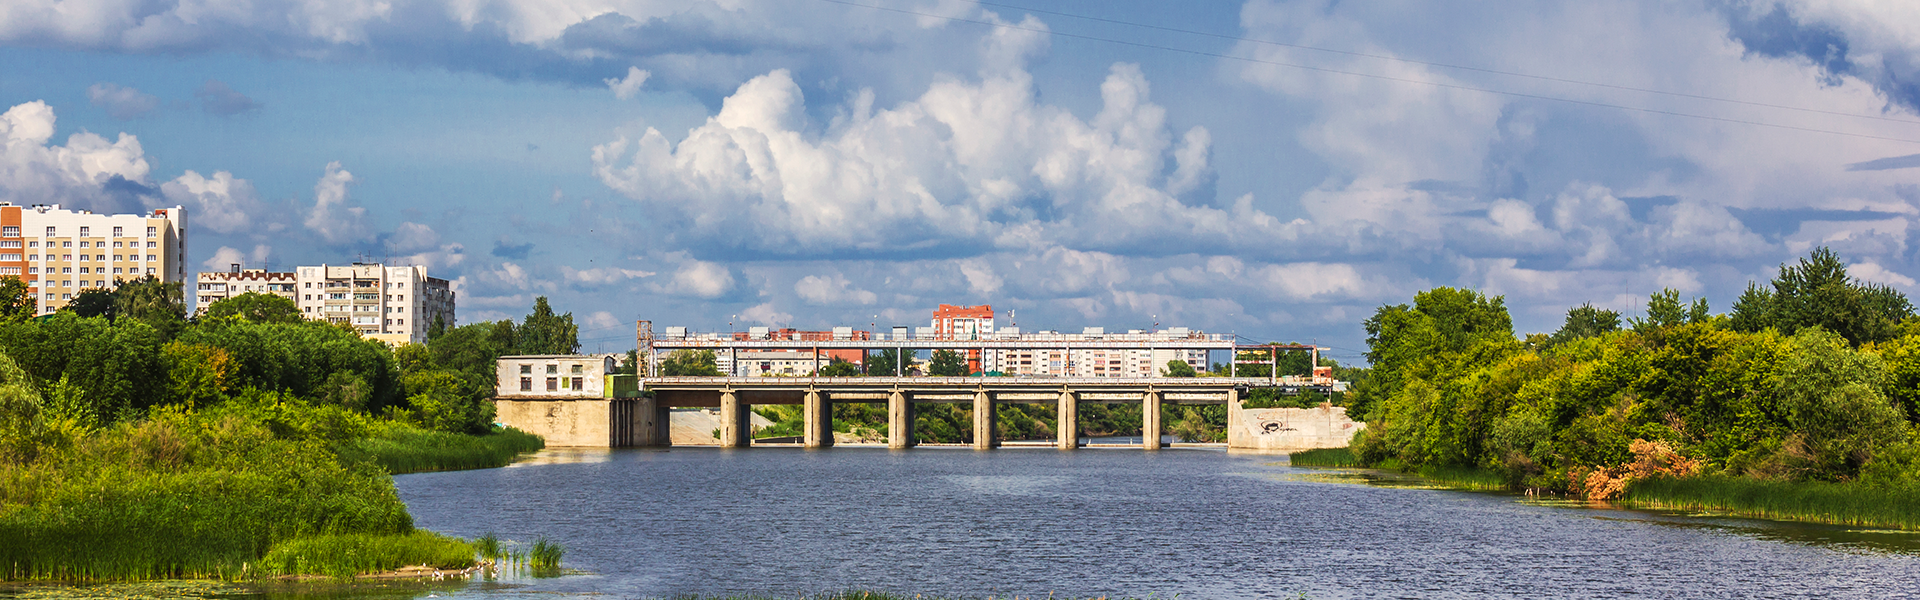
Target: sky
<point>1274,169</point>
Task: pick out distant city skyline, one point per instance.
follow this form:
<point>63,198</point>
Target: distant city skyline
<point>1271,168</point>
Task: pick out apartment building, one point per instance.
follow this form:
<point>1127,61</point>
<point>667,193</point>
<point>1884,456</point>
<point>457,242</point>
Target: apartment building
<point>216,286</point>
<point>396,304</point>
<point>61,252</point>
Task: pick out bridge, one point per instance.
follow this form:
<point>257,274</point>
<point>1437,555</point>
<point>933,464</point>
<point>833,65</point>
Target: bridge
<point>627,411</point>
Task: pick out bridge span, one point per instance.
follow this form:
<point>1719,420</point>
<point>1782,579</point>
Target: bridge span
<point>734,395</point>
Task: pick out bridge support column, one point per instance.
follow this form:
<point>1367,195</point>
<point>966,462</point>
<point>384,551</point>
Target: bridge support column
<point>899,420</point>
<point>1150,420</point>
<point>1236,422</point>
<point>983,420</point>
<point>1068,419</point>
<point>735,430</point>
<point>817,418</point>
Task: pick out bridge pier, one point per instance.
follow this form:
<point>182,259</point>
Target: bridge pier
<point>1068,418</point>
<point>817,420</point>
<point>1150,420</point>
<point>899,420</point>
<point>983,438</point>
<point>735,428</point>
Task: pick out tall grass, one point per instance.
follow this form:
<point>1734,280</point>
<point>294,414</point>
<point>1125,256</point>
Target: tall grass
<point>181,496</point>
<point>349,554</point>
<point>1465,478</point>
<point>1324,457</point>
<point>1837,503</point>
<point>404,449</point>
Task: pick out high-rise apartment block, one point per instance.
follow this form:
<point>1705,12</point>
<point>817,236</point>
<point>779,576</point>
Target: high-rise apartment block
<point>213,287</point>
<point>397,304</point>
<point>61,252</point>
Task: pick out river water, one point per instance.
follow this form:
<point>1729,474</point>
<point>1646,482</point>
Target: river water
<point>1196,523</point>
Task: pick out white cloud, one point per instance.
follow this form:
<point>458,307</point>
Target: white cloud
<point>220,203</point>
<point>331,217</point>
<point>833,289</point>
<point>224,258</point>
<point>699,279</point>
<point>602,275</point>
<point>77,174</point>
<point>764,313</point>
<point>602,320</point>
<point>625,89</point>
<point>1875,273</point>
<point>123,103</point>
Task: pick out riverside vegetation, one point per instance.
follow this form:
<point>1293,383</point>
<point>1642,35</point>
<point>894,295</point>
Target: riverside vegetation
<point>249,442</point>
<point>1800,403</point>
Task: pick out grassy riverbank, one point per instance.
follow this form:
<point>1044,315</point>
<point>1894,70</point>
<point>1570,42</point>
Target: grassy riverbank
<point>412,450</point>
<point>1324,457</point>
<point>1810,501</point>
<point>346,555</point>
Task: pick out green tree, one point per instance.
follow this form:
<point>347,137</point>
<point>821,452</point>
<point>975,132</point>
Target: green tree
<point>446,401</point>
<point>159,304</point>
<point>1179,368</point>
<point>690,363</point>
<point>840,367</point>
<point>309,359</point>
<point>16,301</point>
<point>1817,292</point>
<point>92,302</point>
<point>1753,310</point>
<point>947,363</point>
<point>1664,310</point>
<point>197,376</point>
<point>256,307</point>
<point>544,333</point>
<point>1585,321</point>
<point>471,349</point>
<point>1838,415</point>
<point>115,366</point>
<point>886,363</point>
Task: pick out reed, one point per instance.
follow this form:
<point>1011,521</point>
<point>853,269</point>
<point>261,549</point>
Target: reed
<point>180,497</point>
<point>404,449</point>
<point>1891,507</point>
<point>1324,457</point>
<point>544,556</point>
<point>488,546</point>
<point>349,554</point>
<point>1464,478</point>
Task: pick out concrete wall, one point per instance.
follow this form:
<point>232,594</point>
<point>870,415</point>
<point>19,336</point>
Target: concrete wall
<point>509,370</point>
<point>593,423</point>
<point>1290,428</point>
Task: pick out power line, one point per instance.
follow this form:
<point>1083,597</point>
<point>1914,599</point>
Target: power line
<point>1439,64</point>
<point>1466,88</point>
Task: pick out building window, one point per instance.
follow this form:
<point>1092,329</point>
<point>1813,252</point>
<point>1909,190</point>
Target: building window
<point>83,270</point>
<point>553,369</point>
<point>9,257</point>
<point>33,244</point>
<point>66,296</point>
<point>10,231</point>
<point>306,309</point>
<point>399,321</point>
<point>66,244</point>
<point>118,245</point>
<point>526,384</point>
<point>576,384</point>
<point>149,271</point>
<point>116,232</point>
<point>66,269</point>
<point>86,231</point>
<point>49,296</point>
<point>577,370</point>
<point>116,270</point>
<point>33,257</point>
<point>33,270</point>
<point>526,369</point>
<point>150,232</point>
<point>553,384</point>
<point>49,231</point>
<point>83,283</point>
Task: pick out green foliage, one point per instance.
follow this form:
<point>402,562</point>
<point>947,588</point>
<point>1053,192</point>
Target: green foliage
<point>543,333</point>
<point>344,555</point>
<point>1325,457</point>
<point>1585,321</point>
<point>17,304</point>
<point>1902,385</point>
<point>885,363</point>
<point>114,366</point>
<point>947,363</point>
<point>839,367</point>
<point>1179,368</point>
<point>545,556</point>
<point>443,400</point>
<point>160,304</point>
<point>181,495</point>
<point>308,359</point>
<point>1834,407</point>
<point>399,449</point>
<point>690,363</point>
<point>197,376</point>
<point>1817,292</point>
<point>256,307</point>
<point>1664,310</point>
<point>92,302</point>
<point>1843,504</point>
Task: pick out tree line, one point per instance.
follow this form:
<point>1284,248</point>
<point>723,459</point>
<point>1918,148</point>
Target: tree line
<point>1814,376</point>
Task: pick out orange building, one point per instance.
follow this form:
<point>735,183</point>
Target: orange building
<point>964,323</point>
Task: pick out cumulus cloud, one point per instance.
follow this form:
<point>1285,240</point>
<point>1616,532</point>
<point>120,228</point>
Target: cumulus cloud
<point>123,103</point>
<point>220,203</point>
<point>224,258</point>
<point>699,279</point>
<point>88,172</point>
<point>601,276</point>
<point>764,313</point>
<point>625,89</point>
<point>832,289</point>
<point>332,218</point>
<point>218,98</point>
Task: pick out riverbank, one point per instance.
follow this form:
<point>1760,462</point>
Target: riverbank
<point>401,449</point>
<point>1852,504</point>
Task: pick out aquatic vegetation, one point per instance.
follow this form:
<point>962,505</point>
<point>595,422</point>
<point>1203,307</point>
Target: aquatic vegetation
<point>488,546</point>
<point>1820,502</point>
<point>346,555</point>
<point>545,555</point>
<point>1324,457</point>
<point>401,448</point>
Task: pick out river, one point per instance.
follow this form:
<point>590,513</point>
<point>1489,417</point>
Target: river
<point>1196,523</point>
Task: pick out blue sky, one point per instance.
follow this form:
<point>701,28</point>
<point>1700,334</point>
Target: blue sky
<point>812,163</point>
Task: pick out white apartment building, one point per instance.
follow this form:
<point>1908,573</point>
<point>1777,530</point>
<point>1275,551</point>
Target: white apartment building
<point>216,286</point>
<point>61,252</point>
<point>396,304</point>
